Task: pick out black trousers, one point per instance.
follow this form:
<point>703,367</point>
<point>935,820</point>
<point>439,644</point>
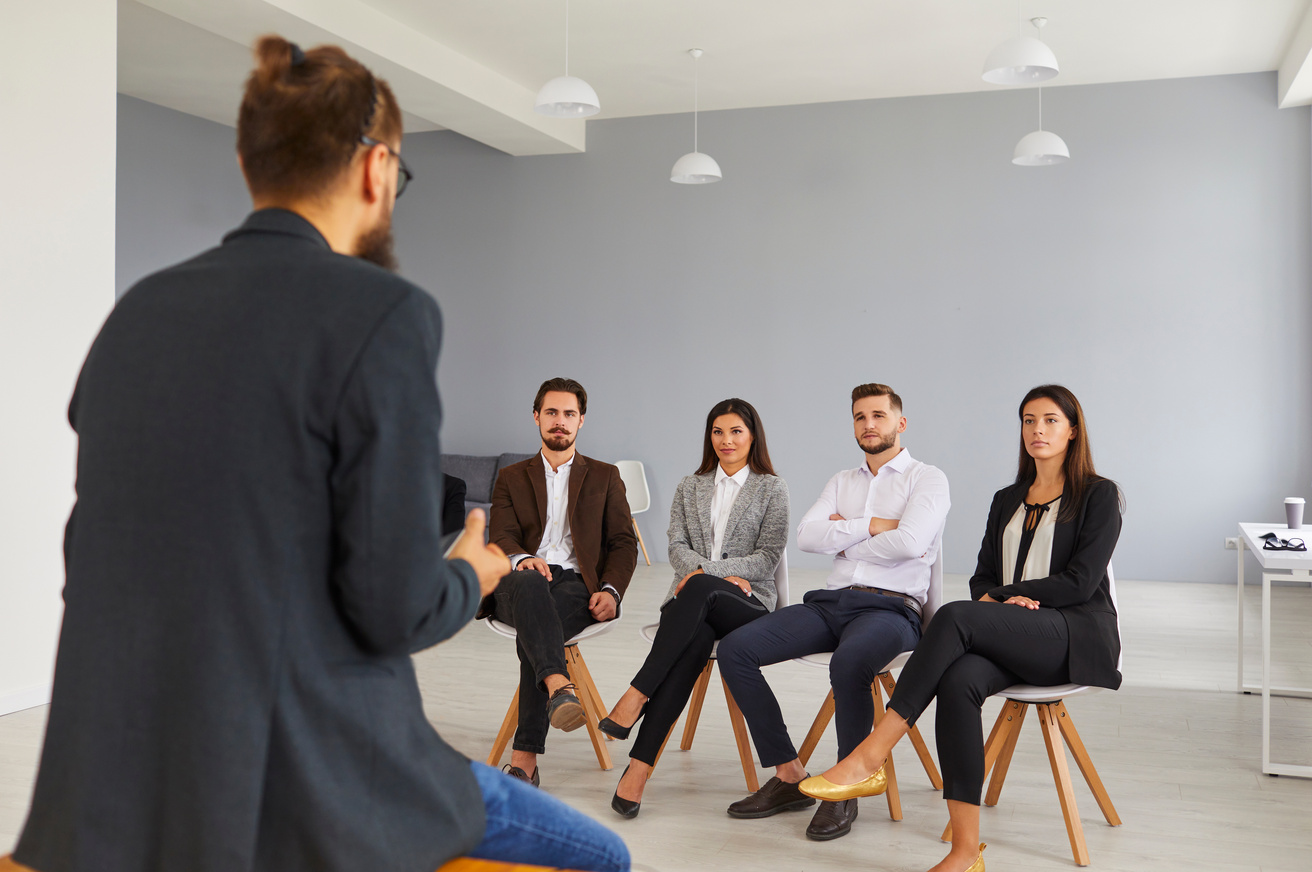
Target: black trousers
<point>971,651</point>
<point>544,614</point>
<point>708,608</point>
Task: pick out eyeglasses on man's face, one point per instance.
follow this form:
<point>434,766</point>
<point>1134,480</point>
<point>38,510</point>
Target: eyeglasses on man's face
<point>403,174</point>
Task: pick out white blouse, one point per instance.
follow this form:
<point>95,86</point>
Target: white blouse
<point>1038,562</point>
<point>726,491</point>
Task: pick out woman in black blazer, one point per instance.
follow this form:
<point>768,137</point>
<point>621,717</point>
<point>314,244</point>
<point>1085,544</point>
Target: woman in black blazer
<point>1041,613</point>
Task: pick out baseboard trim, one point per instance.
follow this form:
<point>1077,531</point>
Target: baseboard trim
<point>24,698</point>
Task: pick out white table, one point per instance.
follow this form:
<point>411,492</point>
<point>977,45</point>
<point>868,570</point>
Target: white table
<point>1288,566</point>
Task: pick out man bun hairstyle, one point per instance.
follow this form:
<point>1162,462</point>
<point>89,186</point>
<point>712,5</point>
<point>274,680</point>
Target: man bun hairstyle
<point>302,116</point>
<point>566,385</point>
<point>875,389</point>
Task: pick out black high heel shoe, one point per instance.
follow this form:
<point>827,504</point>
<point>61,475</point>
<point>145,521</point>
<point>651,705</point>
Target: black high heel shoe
<point>625,808</point>
<point>615,731</point>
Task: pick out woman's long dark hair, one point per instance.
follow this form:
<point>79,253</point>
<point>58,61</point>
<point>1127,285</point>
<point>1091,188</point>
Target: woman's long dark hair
<point>1078,466</point>
<point>758,456</point>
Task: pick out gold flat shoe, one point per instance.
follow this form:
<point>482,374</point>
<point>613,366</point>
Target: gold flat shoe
<point>822,788</point>
<point>978,865</point>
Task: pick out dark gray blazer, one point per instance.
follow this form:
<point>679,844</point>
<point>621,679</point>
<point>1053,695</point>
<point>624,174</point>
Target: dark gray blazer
<point>754,537</point>
<point>254,554</point>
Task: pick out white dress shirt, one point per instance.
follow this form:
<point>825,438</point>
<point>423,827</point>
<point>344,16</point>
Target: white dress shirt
<point>726,491</point>
<point>913,493</point>
<point>557,547</point>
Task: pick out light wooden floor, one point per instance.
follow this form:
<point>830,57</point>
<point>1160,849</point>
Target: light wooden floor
<point>1178,750</point>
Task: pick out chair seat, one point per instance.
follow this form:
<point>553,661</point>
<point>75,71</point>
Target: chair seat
<point>503,629</point>
<point>821,660</point>
<point>1032,694</point>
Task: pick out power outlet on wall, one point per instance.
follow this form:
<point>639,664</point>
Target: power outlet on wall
<point>1231,543</point>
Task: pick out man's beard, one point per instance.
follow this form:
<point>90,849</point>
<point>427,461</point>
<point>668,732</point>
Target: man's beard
<point>879,447</point>
<point>558,441</point>
<point>376,246</point>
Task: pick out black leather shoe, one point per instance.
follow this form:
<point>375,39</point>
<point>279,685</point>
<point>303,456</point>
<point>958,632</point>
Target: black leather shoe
<point>625,808</point>
<point>773,797</point>
<point>516,772</point>
<point>832,819</point>
<point>564,709</point>
<point>615,731</point>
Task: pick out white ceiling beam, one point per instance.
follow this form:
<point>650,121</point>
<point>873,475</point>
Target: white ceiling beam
<point>431,81</point>
<point>1294,79</point>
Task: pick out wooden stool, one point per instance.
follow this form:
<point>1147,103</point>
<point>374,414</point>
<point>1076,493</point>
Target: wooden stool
<point>884,681</point>
<point>594,709</point>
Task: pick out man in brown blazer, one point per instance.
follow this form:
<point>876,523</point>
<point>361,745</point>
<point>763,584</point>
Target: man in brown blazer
<point>564,521</point>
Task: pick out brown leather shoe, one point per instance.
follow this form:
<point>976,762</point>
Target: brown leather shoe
<point>773,797</point>
<point>564,709</point>
<point>832,819</point>
<point>516,772</point>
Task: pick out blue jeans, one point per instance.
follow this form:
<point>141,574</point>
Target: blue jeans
<point>864,630</point>
<point>525,825</point>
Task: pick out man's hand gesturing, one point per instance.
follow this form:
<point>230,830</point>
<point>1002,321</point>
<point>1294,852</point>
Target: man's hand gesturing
<point>489,561</point>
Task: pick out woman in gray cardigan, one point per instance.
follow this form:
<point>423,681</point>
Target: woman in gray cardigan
<point>728,530</point>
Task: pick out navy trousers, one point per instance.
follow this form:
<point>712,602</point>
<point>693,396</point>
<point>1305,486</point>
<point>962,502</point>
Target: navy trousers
<point>864,630</point>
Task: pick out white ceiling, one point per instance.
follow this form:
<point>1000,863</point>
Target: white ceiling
<point>474,65</point>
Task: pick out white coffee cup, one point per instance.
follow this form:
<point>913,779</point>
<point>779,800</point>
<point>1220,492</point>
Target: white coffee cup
<point>1294,512</point>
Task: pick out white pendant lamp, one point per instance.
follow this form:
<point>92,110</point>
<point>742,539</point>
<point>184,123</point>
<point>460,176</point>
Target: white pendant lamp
<point>1042,148</point>
<point>1021,60</point>
<point>695,168</point>
<point>567,96</point>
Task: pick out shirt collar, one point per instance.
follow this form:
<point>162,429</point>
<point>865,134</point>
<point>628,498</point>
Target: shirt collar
<point>566,465</point>
<point>898,464</point>
<point>739,478</point>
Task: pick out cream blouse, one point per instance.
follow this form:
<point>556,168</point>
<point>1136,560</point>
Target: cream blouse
<point>1029,542</point>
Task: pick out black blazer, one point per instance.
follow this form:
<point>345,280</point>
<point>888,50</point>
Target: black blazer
<point>253,556</point>
<point>453,503</point>
<point>1077,585</point>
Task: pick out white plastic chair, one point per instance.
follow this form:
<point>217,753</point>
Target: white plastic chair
<point>703,681</point>
<point>593,707</point>
<point>884,683</point>
<point>1057,725</point>
<point>634,476</point>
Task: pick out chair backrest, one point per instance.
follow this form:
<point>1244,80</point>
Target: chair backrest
<point>934,598</point>
<point>781,581</point>
<point>634,476</point>
<point>1111,589</point>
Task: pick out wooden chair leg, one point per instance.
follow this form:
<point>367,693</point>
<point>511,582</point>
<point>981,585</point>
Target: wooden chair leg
<point>740,736</point>
<point>695,706</point>
<point>1085,762</point>
<point>1003,747</point>
<point>668,733</point>
<point>641,544</point>
<point>1061,775</point>
<point>508,724</point>
<point>578,673</point>
<point>818,727</point>
<point>890,772</point>
<point>917,741</point>
<point>992,747</point>
<point>589,687</point>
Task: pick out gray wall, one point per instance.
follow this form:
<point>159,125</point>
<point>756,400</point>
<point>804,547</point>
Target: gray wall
<point>1163,275</point>
<point>179,188</point>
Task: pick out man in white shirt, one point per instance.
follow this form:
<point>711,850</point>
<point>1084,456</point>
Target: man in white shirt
<point>564,521</point>
<point>882,522</point>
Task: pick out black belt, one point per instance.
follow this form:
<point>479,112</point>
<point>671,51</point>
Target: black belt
<point>909,600</point>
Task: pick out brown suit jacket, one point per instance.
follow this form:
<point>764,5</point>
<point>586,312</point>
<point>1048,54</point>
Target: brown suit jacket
<point>599,519</point>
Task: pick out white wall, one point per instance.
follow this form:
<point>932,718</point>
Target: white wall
<point>56,287</point>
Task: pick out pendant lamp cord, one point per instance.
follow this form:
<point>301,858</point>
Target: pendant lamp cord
<point>567,37</point>
<point>696,84</point>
